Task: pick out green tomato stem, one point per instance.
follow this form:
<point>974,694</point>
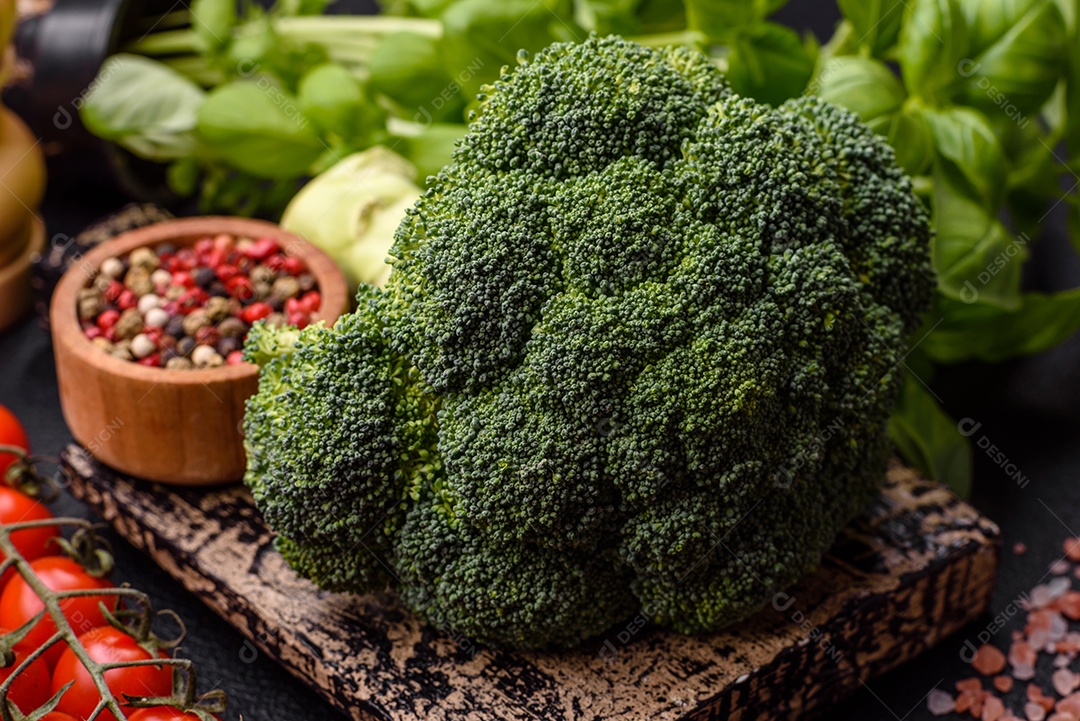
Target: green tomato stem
<point>64,630</point>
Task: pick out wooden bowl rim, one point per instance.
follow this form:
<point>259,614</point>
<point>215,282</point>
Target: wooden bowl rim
<point>36,244</point>
<point>63,311</point>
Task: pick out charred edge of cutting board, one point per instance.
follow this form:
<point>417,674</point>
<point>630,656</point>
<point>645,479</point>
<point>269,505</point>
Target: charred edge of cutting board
<point>949,552</point>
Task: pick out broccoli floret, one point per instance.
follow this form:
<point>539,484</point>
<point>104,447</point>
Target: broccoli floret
<point>637,353</point>
<point>339,440</point>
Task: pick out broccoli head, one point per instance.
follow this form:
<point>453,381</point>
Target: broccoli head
<point>637,353</point>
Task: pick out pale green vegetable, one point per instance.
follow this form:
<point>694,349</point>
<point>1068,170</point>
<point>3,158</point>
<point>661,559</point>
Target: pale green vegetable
<point>352,210</point>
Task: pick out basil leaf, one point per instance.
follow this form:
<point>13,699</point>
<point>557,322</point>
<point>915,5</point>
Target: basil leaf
<point>144,106</point>
<point>258,128</point>
<point>909,134</point>
<point>876,22</point>
<point>406,68</point>
<point>480,34</point>
<point>933,42</point>
<point>665,16</point>
<point>864,86</point>
<point>1017,49</point>
<point>978,331</point>
<point>213,21</point>
<point>431,149</point>
<point>965,140</point>
<point>720,20</point>
<point>975,257</point>
<point>332,98</point>
<point>770,63</point>
<point>929,439</point>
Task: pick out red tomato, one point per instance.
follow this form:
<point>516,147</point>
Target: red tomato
<point>162,713</point>
<point>19,603</point>
<point>33,543</point>
<point>30,689</point>
<point>108,645</point>
<point>11,434</point>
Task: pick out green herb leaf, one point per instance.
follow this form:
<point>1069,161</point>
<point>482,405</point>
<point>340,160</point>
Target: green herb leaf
<point>965,141</point>
<point>979,331</point>
<point>431,149</point>
<point>719,20</point>
<point>406,67</point>
<point>770,63</point>
<point>213,21</point>
<point>1017,50</point>
<point>144,106</point>
<point>480,37</point>
<point>333,99</point>
<point>865,86</point>
<point>876,22</point>
<point>909,134</point>
<point>258,128</point>
<point>929,439</point>
<point>975,257</point>
<point>933,42</point>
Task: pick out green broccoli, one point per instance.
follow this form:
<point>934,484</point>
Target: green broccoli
<point>636,353</point>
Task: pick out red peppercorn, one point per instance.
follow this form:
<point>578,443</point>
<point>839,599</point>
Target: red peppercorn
<point>235,358</point>
<point>300,320</point>
<point>184,278</point>
<point>208,335</point>
<point>294,266</point>
<point>154,334</point>
<point>262,248</point>
<point>223,242</point>
<point>92,332</point>
<point>255,311</point>
<point>107,319</point>
<point>241,288</point>
<point>226,272</point>
<point>215,258</point>
<point>310,301</point>
<point>275,262</point>
<point>292,306</point>
<point>127,299</point>
<point>204,246</point>
<point>113,291</point>
<point>188,258</point>
<point>153,360</point>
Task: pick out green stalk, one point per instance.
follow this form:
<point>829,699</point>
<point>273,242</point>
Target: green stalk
<point>170,42</point>
<point>321,28</point>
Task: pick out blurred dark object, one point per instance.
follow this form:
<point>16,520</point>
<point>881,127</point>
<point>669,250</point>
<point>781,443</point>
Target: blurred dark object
<point>60,46</point>
<point>63,251</point>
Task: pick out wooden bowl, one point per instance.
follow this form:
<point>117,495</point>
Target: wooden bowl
<point>173,426</point>
<point>16,296</point>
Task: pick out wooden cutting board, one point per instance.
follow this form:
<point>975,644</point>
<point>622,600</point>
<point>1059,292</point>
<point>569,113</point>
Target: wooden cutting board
<point>919,565</point>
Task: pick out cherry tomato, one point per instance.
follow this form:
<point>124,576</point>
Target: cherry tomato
<point>164,713</point>
<point>30,689</point>
<point>33,543</point>
<point>19,603</point>
<point>11,434</point>
<point>108,645</point>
